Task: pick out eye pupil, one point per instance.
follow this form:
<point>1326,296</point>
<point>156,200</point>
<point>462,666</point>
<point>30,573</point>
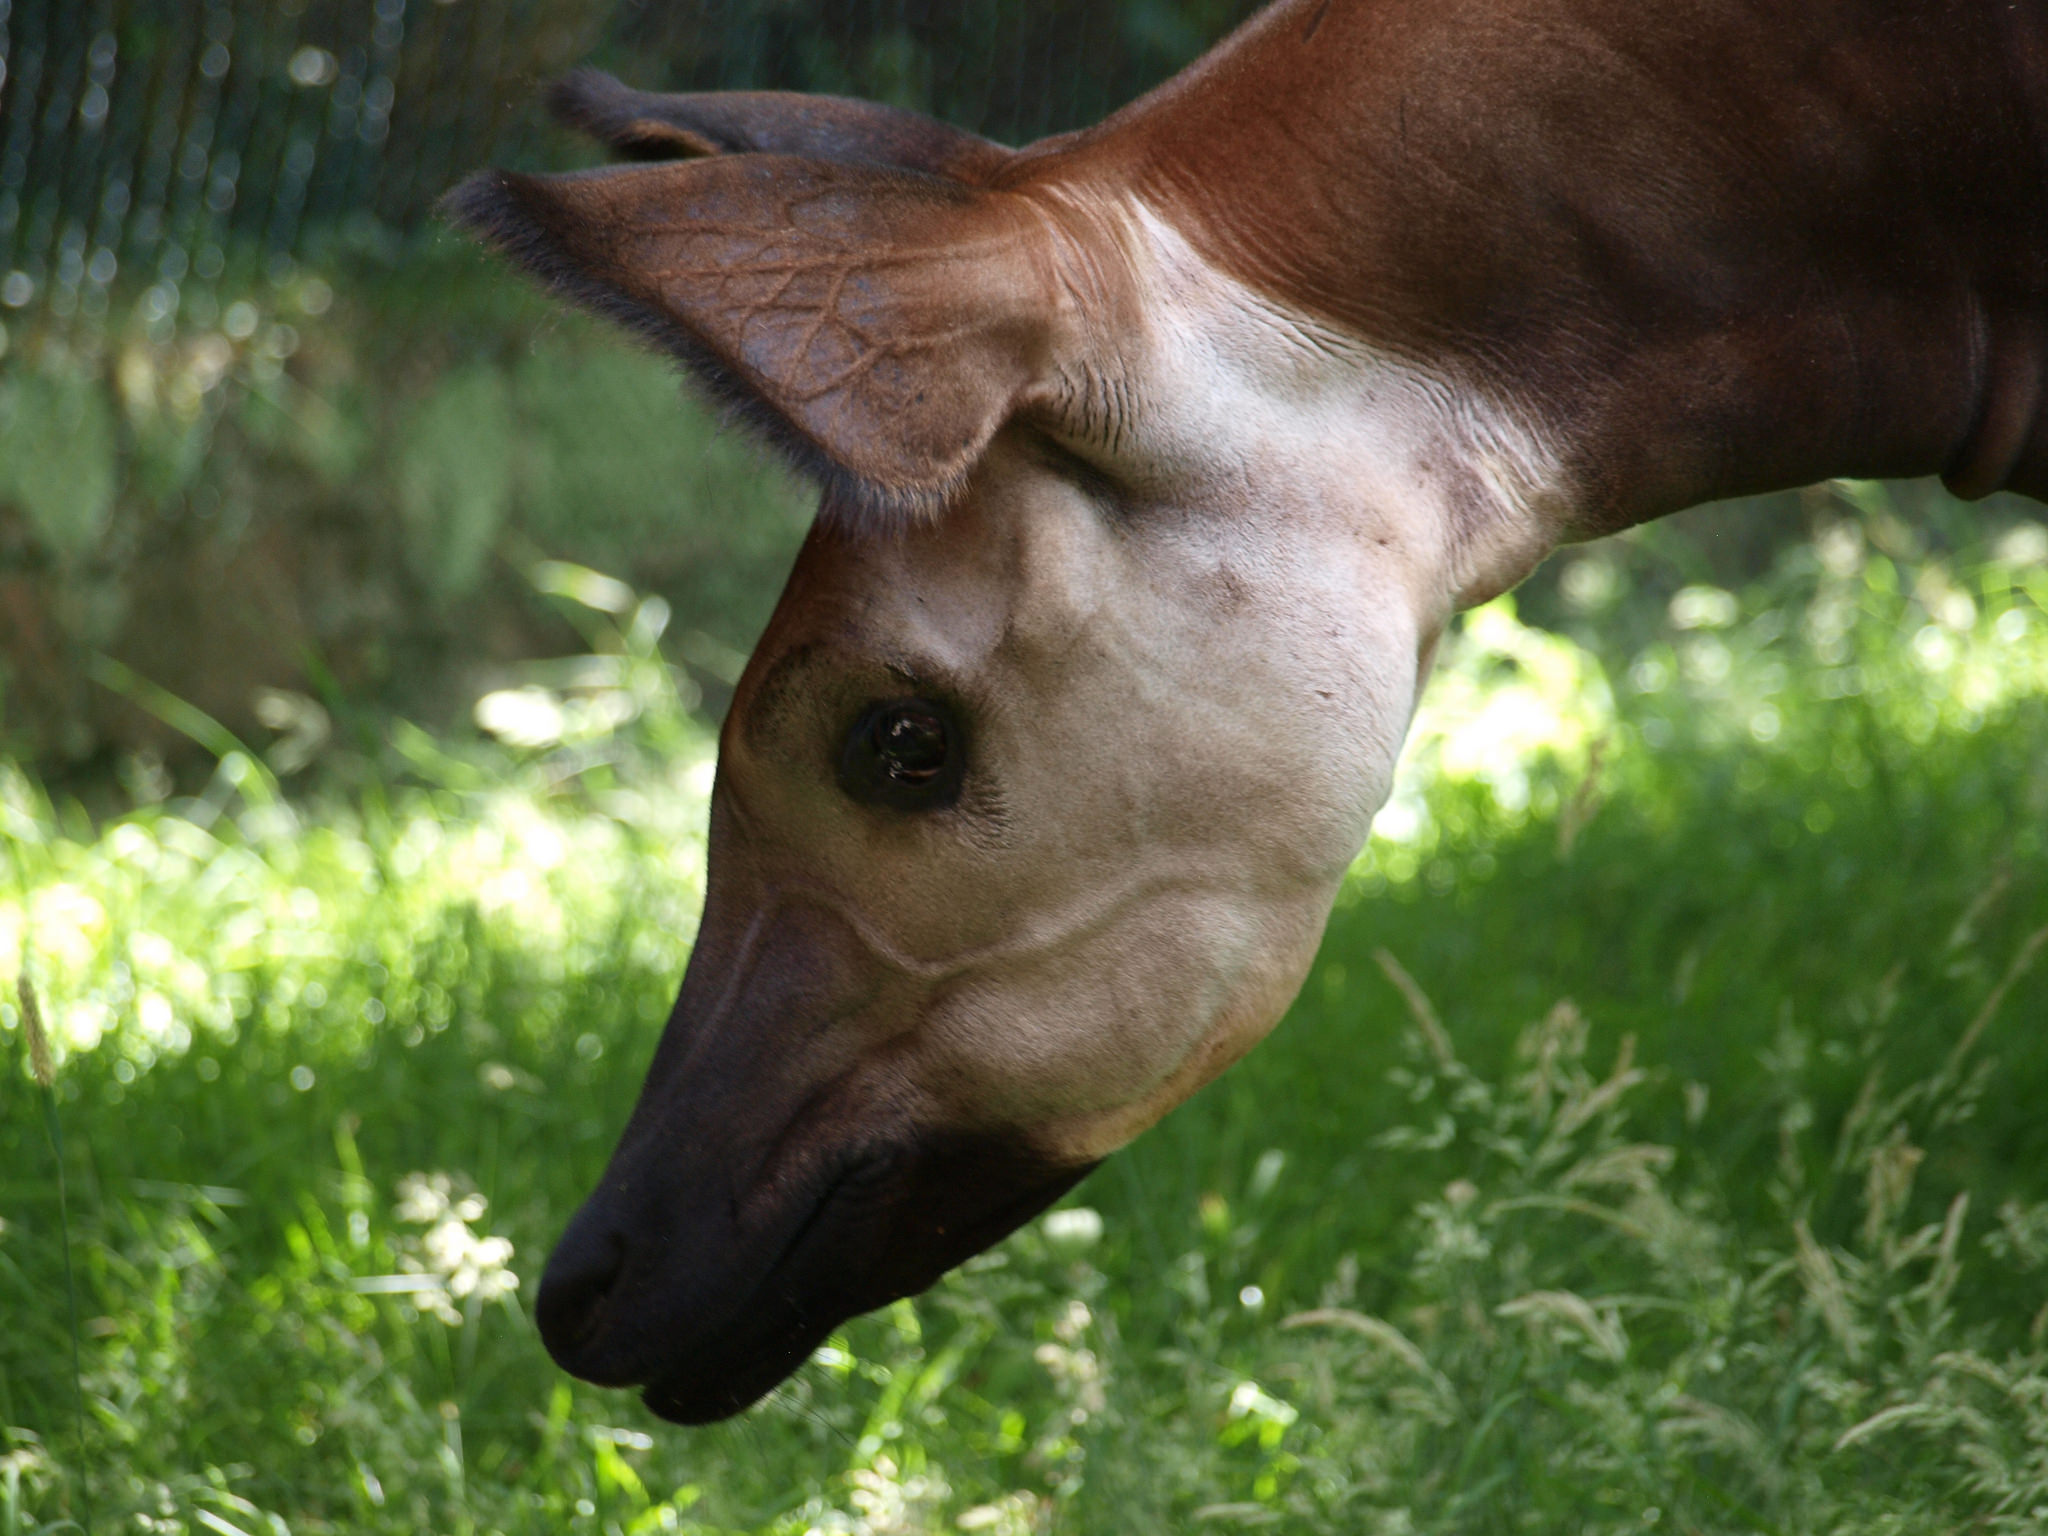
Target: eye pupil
<point>905,754</point>
<point>911,743</point>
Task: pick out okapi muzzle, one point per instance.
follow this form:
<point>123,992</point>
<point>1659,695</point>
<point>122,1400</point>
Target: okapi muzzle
<point>761,1195</point>
<point>1154,460</point>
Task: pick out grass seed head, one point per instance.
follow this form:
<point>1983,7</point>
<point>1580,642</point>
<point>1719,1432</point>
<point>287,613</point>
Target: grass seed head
<point>39,1062</point>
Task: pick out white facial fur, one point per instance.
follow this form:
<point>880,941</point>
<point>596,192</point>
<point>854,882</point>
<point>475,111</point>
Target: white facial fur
<point>1184,702</point>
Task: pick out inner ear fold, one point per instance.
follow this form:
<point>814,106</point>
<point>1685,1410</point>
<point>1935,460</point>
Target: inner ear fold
<point>642,125</point>
<point>879,326</point>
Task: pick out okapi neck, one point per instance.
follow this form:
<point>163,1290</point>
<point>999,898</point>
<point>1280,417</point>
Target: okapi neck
<point>1716,249</point>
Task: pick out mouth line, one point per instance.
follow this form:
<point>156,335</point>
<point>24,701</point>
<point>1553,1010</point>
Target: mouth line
<point>756,1359</point>
<point>766,1285</point>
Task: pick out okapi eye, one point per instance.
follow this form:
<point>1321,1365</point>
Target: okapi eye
<point>903,753</point>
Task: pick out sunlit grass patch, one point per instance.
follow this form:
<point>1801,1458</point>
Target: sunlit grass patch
<point>1844,664</point>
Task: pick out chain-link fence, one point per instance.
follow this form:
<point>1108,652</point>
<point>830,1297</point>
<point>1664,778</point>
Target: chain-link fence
<point>168,141</point>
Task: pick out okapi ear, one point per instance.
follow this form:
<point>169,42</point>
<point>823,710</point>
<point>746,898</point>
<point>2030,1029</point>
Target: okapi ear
<point>877,325</point>
<point>640,125</point>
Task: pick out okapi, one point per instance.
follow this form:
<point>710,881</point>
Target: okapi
<point>1155,458</point>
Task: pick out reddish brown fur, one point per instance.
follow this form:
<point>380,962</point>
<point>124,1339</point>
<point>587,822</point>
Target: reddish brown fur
<point>1730,245</point>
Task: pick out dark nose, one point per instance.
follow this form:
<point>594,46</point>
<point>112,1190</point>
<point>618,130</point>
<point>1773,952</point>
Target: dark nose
<point>575,1308</point>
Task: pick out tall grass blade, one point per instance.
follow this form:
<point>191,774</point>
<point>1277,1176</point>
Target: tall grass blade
<point>43,1067</point>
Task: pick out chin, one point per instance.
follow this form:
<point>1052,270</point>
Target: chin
<point>708,1299</point>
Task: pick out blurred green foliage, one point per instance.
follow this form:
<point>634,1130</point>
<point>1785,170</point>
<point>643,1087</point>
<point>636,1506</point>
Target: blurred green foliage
<point>454,476</point>
<point>57,457</point>
<point>336,489</point>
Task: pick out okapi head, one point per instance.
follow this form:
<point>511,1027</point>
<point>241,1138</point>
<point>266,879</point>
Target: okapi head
<point>1154,461</point>
<point>1033,799</point>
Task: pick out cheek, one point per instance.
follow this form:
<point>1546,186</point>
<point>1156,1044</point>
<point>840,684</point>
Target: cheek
<point>1354,774</point>
<point>1299,744</point>
<point>1107,1022</point>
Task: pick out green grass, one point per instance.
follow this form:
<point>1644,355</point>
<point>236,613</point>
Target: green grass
<point>1656,1146</point>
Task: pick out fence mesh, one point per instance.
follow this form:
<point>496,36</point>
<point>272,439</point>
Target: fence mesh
<point>159,142</point>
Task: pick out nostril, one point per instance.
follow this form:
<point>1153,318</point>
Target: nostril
<point>576,1290</point>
